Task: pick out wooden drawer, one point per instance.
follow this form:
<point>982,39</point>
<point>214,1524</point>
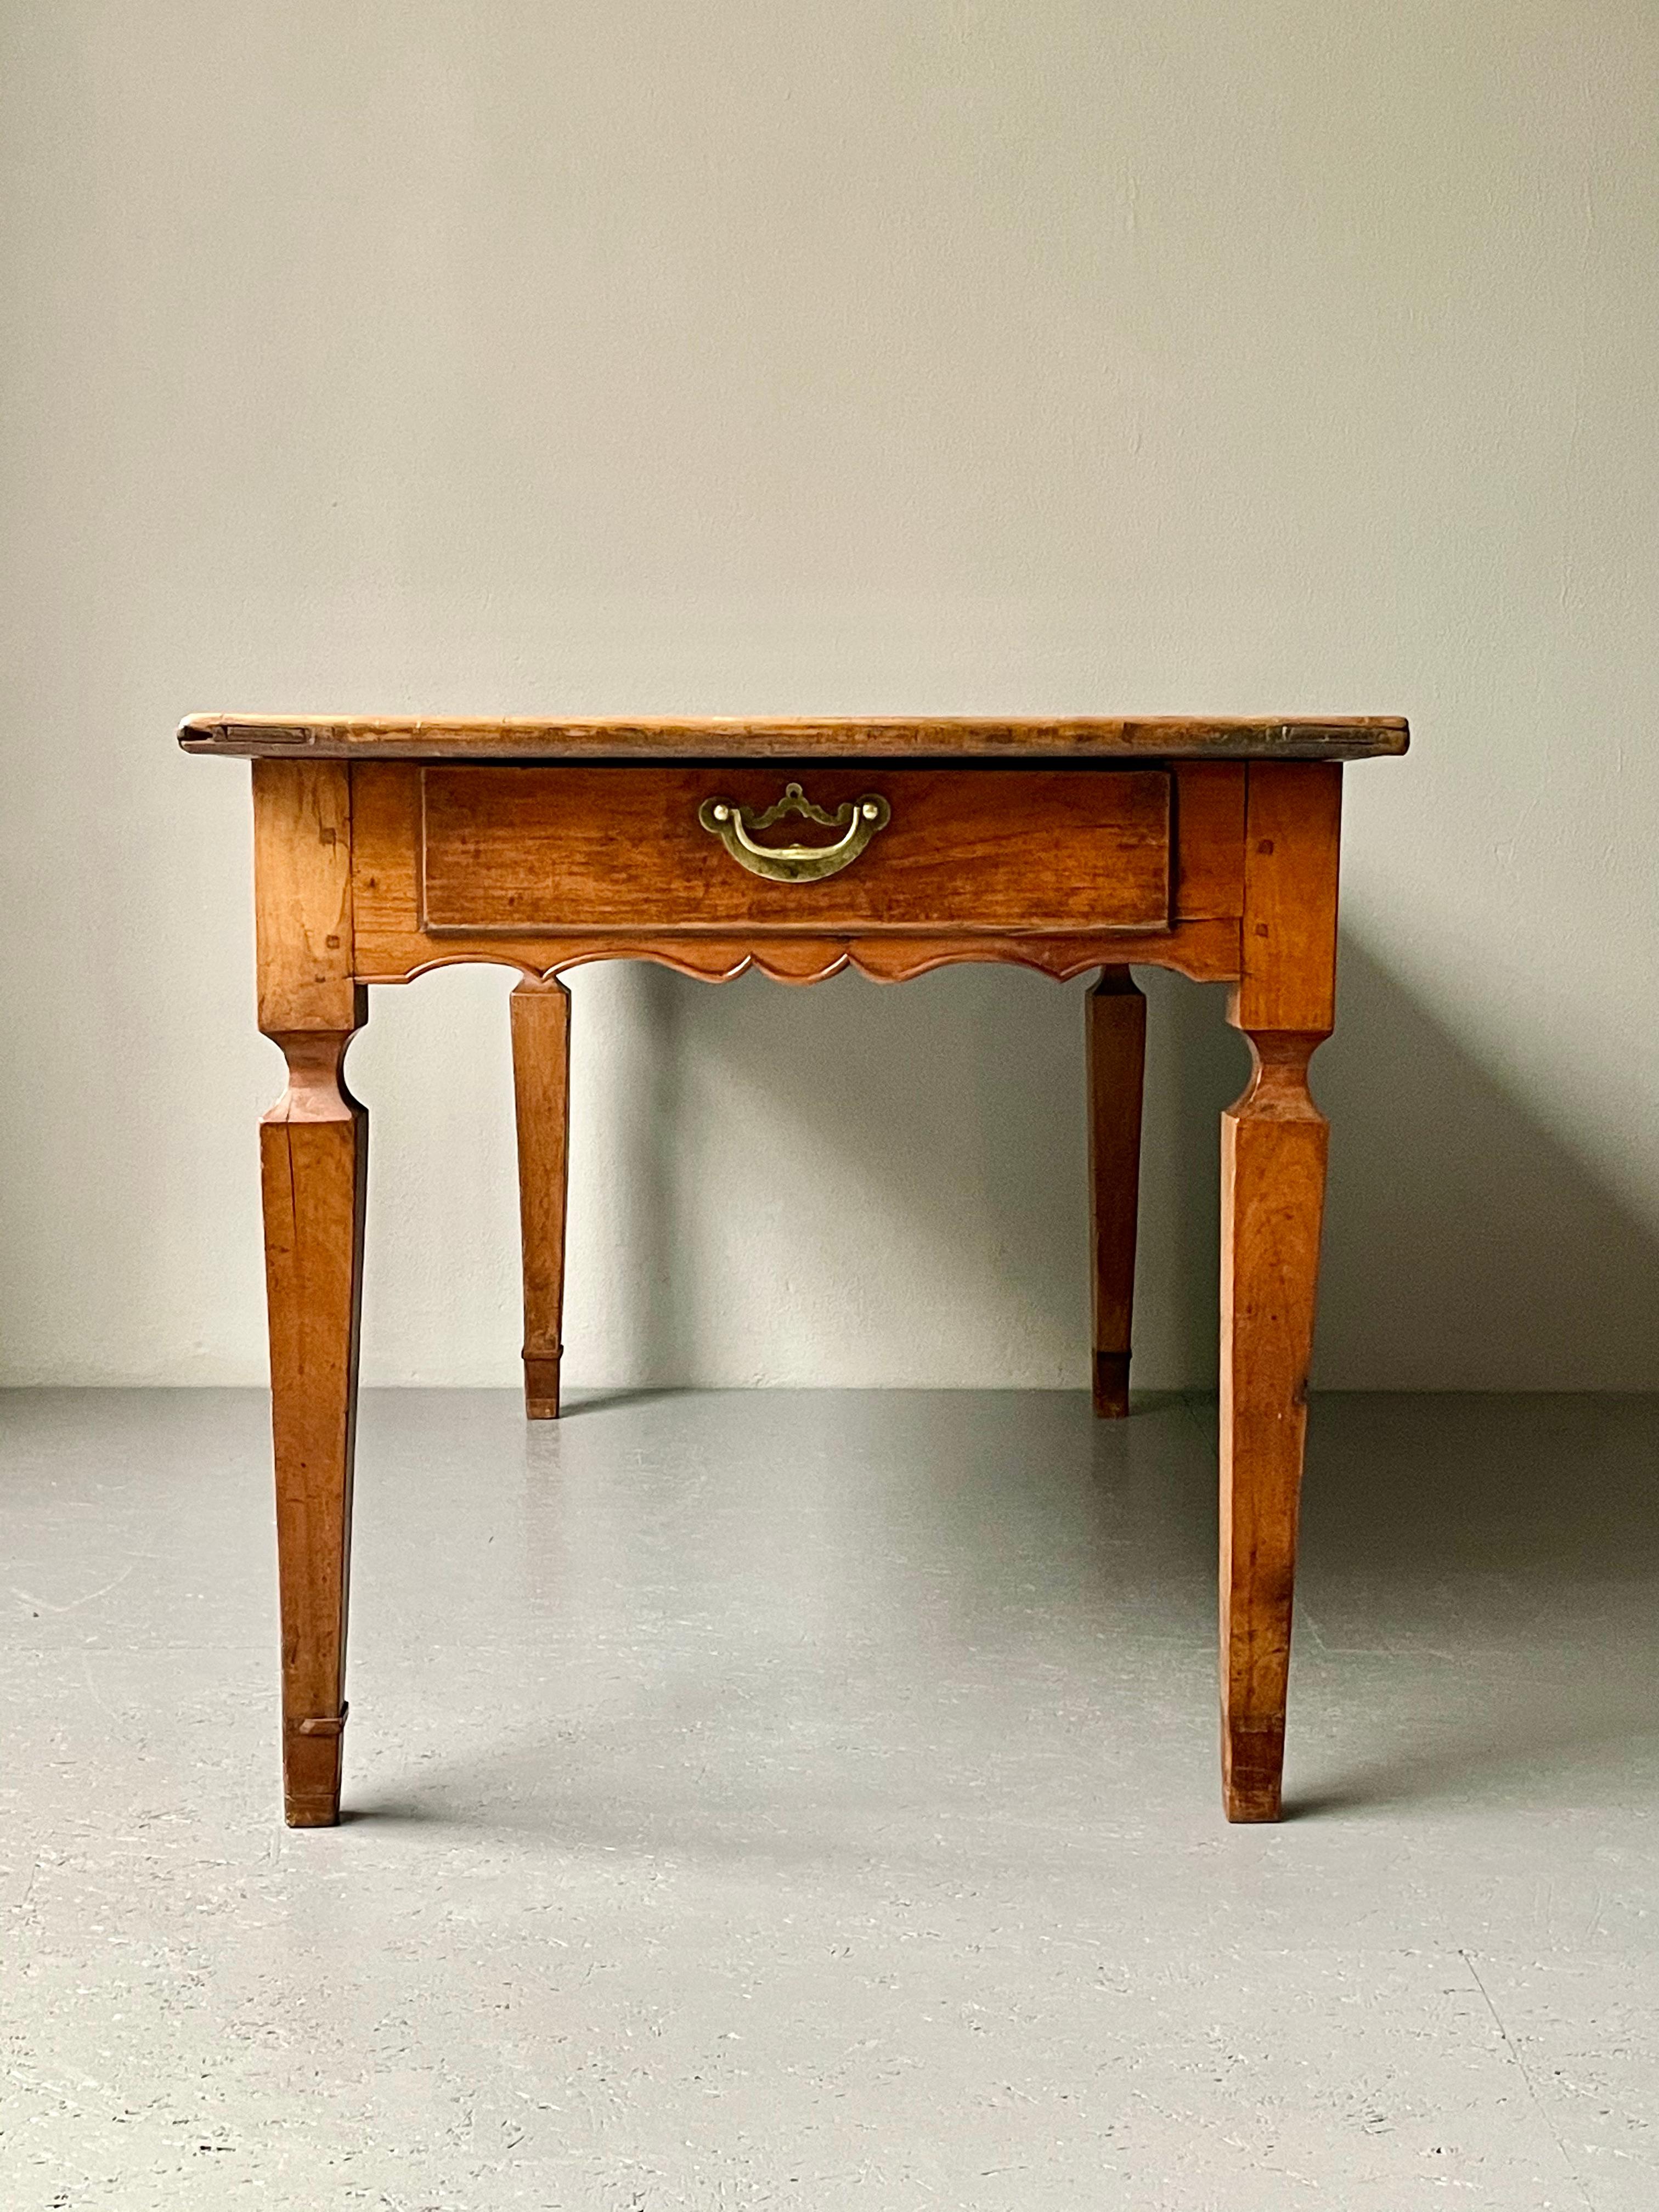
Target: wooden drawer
<point>515,851</point>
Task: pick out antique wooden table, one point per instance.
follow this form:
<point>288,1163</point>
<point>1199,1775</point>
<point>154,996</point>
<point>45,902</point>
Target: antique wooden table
<point>385,847</point>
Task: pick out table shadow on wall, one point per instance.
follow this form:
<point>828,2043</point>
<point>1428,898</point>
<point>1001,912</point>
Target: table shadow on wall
<point>1465,1245</point>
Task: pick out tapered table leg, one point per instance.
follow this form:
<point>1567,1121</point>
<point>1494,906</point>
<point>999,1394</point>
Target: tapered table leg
<point>1273,1147</point>
<point>1116,1074</point>
<point>541,1081</point>
<point>313,1156</point>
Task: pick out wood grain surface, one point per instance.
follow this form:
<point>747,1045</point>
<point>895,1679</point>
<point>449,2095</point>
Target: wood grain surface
<point>391,946</point>
<point>541,1094</point>
<point>571,849</point>
<point>1221,868</point>
<point>302,914</point>
<point>720,737</point>
<point>1274,1143</point>
<point>314,1148</point>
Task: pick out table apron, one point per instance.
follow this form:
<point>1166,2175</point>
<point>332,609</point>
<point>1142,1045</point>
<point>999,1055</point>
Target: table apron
<point>543,867</point>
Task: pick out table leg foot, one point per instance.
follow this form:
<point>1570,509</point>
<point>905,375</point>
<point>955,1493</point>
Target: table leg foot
<point>541,1388</point>
<point>311,1762</point>
<point>1111,1389</point>
<point>1252,1771</point>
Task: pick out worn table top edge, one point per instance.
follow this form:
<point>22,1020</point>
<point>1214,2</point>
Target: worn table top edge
<point>934,737</point>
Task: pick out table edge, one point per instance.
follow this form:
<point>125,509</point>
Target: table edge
<point>930,739</point>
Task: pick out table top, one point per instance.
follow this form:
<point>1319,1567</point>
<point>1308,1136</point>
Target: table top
<point>353,737</point>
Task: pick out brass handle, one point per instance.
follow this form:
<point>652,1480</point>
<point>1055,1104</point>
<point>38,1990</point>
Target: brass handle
<point>860,818</point>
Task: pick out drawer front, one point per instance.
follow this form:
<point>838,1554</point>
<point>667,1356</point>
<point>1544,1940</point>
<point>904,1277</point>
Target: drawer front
<point>511,851</point>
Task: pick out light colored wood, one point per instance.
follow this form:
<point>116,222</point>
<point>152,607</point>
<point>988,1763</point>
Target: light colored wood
<point>1206,951</point>
<point>302,894</point>
<point>730,737</point>
<point>313,1156</point>
<point>541,1083</point>
<point>1273,1150</point>
<point>509,851</point>
<point>1288,949</point>
<point>1116,1056</point>
<point>393,947</point>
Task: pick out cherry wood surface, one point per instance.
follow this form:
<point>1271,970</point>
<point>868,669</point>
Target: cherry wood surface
<point>505,851</point>
<point>314,1155</point>
<point>394,943</point>
<point>1247,853</point>
<point>731,738</point>
<point>541,1092</point>
<point>1274,1143</point>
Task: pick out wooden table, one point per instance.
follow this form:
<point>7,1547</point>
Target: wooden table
<point>385,847</point>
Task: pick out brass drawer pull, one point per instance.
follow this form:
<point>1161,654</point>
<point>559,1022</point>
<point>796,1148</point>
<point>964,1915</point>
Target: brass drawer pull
<point>860,818</point>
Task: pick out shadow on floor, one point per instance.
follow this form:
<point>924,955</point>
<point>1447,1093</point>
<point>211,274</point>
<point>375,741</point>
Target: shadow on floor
<point>801,1596</point>
<point>1488,1569</point>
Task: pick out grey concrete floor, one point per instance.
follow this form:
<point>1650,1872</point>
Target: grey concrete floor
<point>808,1799</point>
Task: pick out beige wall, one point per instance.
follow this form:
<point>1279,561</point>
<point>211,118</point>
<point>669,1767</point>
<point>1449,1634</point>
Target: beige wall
<point>1258,356</point>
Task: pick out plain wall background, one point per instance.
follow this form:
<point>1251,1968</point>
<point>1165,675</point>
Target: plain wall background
<point>1076,356</point>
